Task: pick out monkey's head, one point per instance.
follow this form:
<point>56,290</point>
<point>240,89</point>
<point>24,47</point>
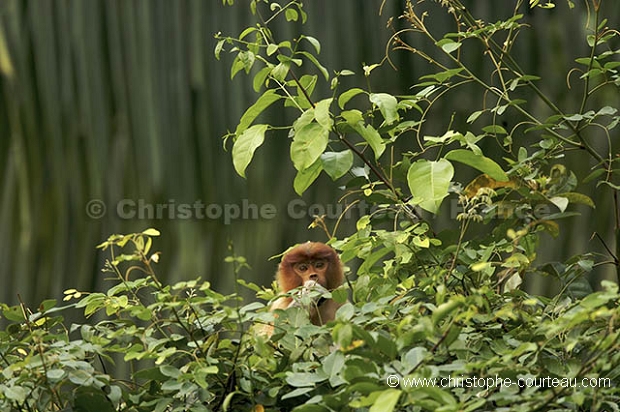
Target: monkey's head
<point>310,262</point>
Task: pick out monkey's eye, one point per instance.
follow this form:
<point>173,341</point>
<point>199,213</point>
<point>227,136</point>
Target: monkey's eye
<point>319,264</point>
<point>302,267</point>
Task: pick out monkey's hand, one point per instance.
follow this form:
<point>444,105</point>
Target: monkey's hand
<point>309,294</point>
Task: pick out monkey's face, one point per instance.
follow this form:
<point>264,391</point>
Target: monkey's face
<point>312,270</point>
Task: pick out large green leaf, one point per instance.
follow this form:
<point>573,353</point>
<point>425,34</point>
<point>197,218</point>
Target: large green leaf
<point>386,401</point>
<point>480,162</point>
<point>306,177</point>
<point>387,104</point>
<point>245,146</point>
<point>336,164</point>
<point>429,182</point>
<point>266,100</point>
<point>308,144</point>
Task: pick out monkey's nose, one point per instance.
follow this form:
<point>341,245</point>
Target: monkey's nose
<point>314,277</point>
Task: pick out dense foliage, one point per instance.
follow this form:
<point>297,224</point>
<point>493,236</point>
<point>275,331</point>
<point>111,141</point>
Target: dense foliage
<point>433,320</point>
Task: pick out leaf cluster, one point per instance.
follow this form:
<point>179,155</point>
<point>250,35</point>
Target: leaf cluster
<point>403,341</point>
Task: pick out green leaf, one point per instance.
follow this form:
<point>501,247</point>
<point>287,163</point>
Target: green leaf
<point>244,60</point>
<point>446,309</point>
<point>306,177</point>
<point>386,401</point>
<point>170,371</point>
<point>413,358</point>
<point>247,31</point>
<point>370,134</point>
<point>315,43</point>
<point>322,114</point>
<point>151,232</point>
<point>441,396</point>
<point>303,379</point>
<point>429,182</point>
<point>596,173</point>
<point>574,118</point>
<point>494,129</point>
<point>47,305</point>
<point>266,100</point>
<point>580,198</point>
<point>448,45</point>
<point>260,78</point>
<point>218,48</point>
<point>443,76</point>
<point>245,146</point>
<point>55,374</point>
<point>348,95</point>
<point>308,144</point>
<point>352,117</point>
<point>150,374</point>
<point>387,104</point>
<point>560,202</point>
<point>607,110</point>
<point>271,49</point>
<point>15,393</point>
<point>14,313</point>
<point>337,164</point>
<point>480,162</point>
<point>318,65</point>
<point>304,119</point>
<point>297,392</point>
<point>291,14</point>
<point>475,115</point>
<point>280,71</point>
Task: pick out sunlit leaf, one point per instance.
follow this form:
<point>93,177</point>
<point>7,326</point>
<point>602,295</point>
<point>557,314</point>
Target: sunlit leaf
<point>429,182</point>
<point>315,43</point>
<point>348,95</point>
<point>387,105</point>
<point>306,177</point>
<point>308,144</point>
<point>318,65</point>
<point>322,114</point>
<point>245,146</point>
<point>337,164</point>
<point>560,202</point>
<point>267,99</point>
<point>448,45</point>
<point>386,401</point>
<point>480,162</point>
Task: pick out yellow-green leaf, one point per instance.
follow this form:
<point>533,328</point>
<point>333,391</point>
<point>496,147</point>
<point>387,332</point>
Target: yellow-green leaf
<point>245,146</point>
<point>429,182</point>
<point>266,100</point>
<point>306,177</point>
<point>337,164</point>
<point>480,162</point>
<point>308,144</point>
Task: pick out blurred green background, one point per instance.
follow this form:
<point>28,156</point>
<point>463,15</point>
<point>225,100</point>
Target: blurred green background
<point>123,101</point>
